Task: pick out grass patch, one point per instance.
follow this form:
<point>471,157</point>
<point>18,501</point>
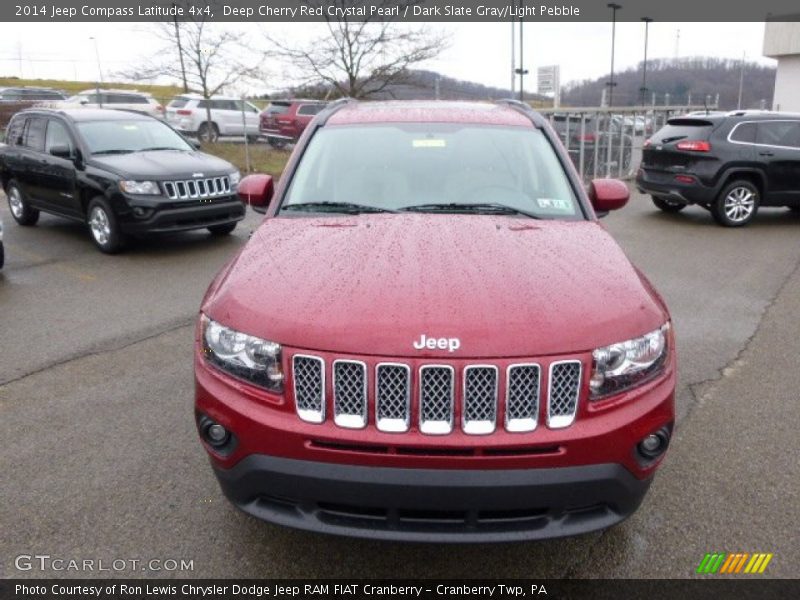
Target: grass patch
<point>263,158</point>
<point>162,93</point>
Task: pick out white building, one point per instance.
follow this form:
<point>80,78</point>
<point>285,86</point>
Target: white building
<point>782,42</point>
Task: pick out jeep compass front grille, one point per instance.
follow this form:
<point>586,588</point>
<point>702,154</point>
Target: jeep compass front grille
<point>308,373</point>
<point>350,394</point>
<point>210,187</point>
<point>565,380</point>
<point>392,397</point>
<point>396,395</point>
<point>436,399</point>
<point>480,399</point>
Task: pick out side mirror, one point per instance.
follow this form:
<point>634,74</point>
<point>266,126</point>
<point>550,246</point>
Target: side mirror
<point>608,194</point>
<point>257,190</point>
<point>194,143</point>
<point>84,102</point>
<point>61,151</point>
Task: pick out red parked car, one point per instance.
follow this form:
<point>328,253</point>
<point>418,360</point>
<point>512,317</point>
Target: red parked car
<point>284,121</point>
<point>431,337</point>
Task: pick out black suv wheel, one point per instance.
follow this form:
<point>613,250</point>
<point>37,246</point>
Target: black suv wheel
<point>23,213</point>
<point>104,227</point>
<point>737,204</point>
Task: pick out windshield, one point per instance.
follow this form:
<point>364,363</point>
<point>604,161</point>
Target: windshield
<point>126,135</point>
<point>442,167</point>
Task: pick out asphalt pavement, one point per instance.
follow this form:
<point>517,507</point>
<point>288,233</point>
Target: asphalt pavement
<point>102,462</point>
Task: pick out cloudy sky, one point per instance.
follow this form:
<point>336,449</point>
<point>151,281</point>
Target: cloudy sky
<point>478,51</point>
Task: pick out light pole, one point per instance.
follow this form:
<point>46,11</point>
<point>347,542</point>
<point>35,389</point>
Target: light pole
<point>647,21</point>
<point>614,8</point>
<point>99,72</point>
<point>522,71</point>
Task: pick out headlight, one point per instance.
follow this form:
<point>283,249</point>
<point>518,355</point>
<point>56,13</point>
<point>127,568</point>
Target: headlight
<point>140,187</point>
<point>624,365</point>
<point>235,178</point>
<point>245,356</point>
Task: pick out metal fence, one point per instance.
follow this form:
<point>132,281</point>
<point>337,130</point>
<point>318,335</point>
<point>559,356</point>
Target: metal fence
<point>607,142</point>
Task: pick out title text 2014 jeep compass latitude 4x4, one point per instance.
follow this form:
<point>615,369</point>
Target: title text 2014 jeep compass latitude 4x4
<point>431,337</point>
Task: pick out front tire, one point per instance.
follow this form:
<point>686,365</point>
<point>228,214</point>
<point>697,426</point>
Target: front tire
<point>225,229</point>
<point>104,227</point>
<point>737,204</point>
<point>23,213</point>
<point>668,206</point>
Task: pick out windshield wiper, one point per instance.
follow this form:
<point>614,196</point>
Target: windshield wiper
<point>160,148</point>
<point>117,151</point>
<point>477,208</point>
<point>342,207</point>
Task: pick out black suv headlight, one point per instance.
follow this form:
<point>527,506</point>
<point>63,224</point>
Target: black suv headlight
<point>624,365</point>
<point>244,356</point>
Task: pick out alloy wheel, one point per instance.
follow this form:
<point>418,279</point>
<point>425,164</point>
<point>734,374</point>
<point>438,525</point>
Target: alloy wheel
<point>739,204</point>
<point>100,226</point>
<point>15,203</point>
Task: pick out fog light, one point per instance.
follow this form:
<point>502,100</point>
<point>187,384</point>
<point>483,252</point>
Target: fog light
<point>217,434</point>
<point>651,443</point>
<point>654,445</point>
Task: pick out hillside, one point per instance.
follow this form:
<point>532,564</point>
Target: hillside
<point>698,76</point>
<point>421,85</point>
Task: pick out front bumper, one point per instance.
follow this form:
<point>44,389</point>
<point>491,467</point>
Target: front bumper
<point>192,215</point>
<point>433,505</point>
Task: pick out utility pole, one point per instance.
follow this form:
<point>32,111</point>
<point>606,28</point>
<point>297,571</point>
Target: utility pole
<point>741,82</point>
<point>513,59</point>
<point>614,8</point>
<point>647,21</point>
<point>180,50</point>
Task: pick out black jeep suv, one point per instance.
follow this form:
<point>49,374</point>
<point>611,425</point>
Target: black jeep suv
<point>728,163</point>
<point>119,172</point>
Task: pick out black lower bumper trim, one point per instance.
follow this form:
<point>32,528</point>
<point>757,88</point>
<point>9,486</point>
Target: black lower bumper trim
<point>433,505</point>
<point>197,216</point>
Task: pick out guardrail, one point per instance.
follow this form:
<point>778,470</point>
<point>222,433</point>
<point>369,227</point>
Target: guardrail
<point>607,142</point>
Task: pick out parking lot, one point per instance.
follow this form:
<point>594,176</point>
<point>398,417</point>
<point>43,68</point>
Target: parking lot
<point>102,460</point>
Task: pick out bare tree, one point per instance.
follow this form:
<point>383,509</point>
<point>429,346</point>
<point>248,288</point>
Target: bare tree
<point>359,57</point>
<point>205,57</point>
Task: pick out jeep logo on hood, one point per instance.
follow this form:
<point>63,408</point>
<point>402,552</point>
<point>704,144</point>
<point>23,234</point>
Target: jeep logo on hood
<point>431,343</point>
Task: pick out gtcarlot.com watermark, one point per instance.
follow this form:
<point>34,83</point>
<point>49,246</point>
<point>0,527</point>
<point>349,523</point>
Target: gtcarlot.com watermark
<point>46,563</point>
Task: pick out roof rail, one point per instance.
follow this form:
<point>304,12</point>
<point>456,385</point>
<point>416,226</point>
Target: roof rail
<point>523,108</point>
<point>331,108</point>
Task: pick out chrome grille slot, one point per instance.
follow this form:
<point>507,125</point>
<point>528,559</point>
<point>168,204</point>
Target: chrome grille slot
<point>522,397</point>
<point>392,397</point>
<point>480,399</point>
<point>308,373</point>
<point>349,394</point>
<point>197,188</point>
<point>562,396</point>
<point>436,399</point>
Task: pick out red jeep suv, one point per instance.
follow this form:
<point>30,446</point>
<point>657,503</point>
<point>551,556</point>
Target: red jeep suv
<point>431,337</point>
<point>284,121</point>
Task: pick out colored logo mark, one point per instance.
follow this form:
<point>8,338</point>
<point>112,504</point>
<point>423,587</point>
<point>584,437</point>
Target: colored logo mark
<point>738,562</point>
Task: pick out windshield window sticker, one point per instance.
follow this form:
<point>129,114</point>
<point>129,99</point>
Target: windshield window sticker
<point>429,143</point>
<point>558,204</point>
